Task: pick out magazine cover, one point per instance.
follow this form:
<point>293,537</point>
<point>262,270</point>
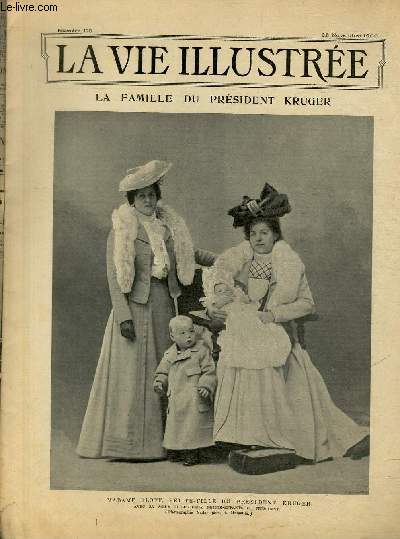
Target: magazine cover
<point>200,282</point>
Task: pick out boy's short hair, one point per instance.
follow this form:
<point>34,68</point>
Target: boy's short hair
<point>179,320</point>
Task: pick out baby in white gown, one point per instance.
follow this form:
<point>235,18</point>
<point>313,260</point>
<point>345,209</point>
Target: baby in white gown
<point>247,342</point>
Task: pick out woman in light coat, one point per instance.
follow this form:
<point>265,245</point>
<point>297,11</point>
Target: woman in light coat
<point>149,256</point>
<point>285,407</point>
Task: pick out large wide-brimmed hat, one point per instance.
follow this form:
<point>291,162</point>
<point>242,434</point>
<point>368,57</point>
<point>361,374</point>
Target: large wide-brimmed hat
<point>144,175</point>
<point>270,204</point>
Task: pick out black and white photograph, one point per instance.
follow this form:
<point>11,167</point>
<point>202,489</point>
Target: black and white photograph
<point>211,302</point>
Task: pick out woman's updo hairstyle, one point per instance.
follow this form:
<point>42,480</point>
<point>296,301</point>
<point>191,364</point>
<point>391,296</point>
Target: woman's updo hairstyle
<point>130,195</point>
<point>273,224</point>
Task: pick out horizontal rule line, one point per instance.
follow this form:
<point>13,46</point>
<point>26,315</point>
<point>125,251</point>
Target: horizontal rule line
<point>183,37</point>
<point>212,85</point>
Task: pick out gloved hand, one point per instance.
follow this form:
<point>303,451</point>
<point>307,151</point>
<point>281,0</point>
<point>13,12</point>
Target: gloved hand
<point>158,388</point>
<point>128,330</point>
<point>204,392</point>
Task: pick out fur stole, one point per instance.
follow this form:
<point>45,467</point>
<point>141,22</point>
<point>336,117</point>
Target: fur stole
<point>125,225</point>
<point>287,267</point>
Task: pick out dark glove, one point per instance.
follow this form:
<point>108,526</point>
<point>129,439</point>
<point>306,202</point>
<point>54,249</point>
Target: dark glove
<point>128,330</point>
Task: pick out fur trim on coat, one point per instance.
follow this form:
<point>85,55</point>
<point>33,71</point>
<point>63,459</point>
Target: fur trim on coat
<point>285,261</point>
<point>125,224</point>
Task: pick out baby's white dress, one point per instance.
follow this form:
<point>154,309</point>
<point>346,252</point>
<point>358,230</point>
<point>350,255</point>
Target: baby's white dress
<point>249,343</point>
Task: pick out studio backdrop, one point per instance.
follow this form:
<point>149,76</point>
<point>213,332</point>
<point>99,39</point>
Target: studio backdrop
<point>323,164</point>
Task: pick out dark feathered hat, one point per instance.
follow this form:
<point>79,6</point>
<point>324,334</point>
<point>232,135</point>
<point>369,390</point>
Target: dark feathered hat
<point>270,204</point>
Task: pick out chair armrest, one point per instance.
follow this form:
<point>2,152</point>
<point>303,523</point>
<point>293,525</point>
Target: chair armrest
<point>201,319</point>
<point>300,322</point>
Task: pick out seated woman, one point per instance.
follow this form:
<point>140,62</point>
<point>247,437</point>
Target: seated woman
<point>288,406</point>
<point>246,341</point>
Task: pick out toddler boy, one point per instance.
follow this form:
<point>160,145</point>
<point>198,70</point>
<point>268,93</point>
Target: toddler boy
<point>186,374</point>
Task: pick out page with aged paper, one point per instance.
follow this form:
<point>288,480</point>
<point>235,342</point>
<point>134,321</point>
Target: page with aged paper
<point>201,292</point>
<point>3,20</point>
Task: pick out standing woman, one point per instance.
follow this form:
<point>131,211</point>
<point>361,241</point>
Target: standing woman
<point>149,255</point>
<point>285,407</point>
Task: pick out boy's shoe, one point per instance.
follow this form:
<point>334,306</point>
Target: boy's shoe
<point>210,455</point>
<point>191,458</point>
<point>174,456</point>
